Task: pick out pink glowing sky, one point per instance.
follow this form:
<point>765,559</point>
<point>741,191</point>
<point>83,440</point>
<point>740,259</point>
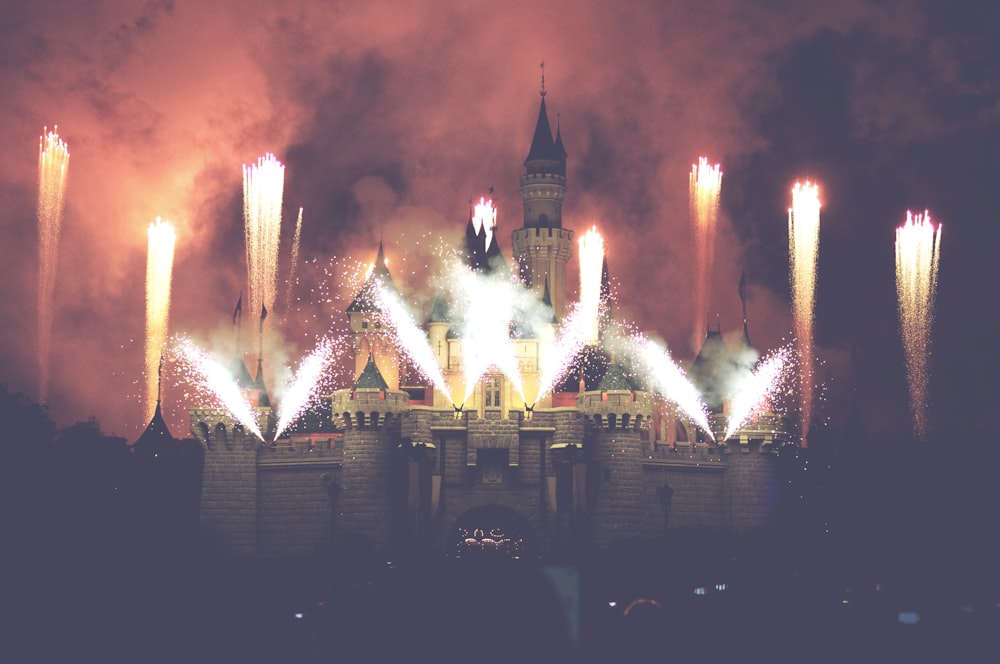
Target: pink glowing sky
<point>390,116</point>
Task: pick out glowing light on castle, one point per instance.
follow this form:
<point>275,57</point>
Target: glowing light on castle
<point>918,250</point>
<point>705,183</point>
<point>670,382</point>
<point>304,390</point>
<point>159,268</point>
<point>53,164</point>
<point>486,306</point>
<point>412,340</point>
<point>210,377</point>
<point>755,396</point>
<point>591,261</point>
<point>803,250</point>
<point>263,187</point>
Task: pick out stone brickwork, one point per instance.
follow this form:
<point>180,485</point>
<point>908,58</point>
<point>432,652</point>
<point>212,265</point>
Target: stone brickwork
<point>752,485</point>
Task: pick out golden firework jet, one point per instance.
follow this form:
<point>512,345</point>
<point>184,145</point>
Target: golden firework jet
<point>803,250</point>
<point>705,183</point>
<point>53,163</point>
<point>918,249</point>
<point>159,270</point>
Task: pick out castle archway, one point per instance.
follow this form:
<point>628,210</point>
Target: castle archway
<point>494,532</point>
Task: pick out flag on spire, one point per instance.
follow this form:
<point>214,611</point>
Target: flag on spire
<point>263,315</point>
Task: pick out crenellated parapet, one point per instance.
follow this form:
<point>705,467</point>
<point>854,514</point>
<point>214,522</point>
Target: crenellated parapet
<point>765,433</point>
<point>369,408</point>
<point>616,410</point>
<point>216,428</point>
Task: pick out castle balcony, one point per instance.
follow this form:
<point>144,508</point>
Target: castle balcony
<point>616,409</point>
<point>367,408</point>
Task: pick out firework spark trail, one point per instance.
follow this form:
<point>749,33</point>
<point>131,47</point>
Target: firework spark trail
<point>159,267</point>
<point>803,243</point>
<point>215,379</point>
<point>485,217</point>
<point>304,389</point>
<point>705,182</point>
<point>487,308</point>
<point>918,250</point>
<point>757,392</point>
<point>572,337</point>
<point>412,340</point>
<point>53,163</point>
<point>668,379</point>
<point>294,264</point>
<point>591,263</point>
<point>263,186</point>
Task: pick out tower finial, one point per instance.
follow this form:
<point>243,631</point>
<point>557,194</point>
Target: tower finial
<point>542,67</point>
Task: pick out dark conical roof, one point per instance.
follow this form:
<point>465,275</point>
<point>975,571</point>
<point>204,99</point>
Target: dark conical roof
<point>371,378</point>
<point>367,297</point>
<point>710,368</point>
<point>156,432</point>
<point>238,370</point>
<point>543,148</point>
<point>614,379</point>
<point>547,301</point>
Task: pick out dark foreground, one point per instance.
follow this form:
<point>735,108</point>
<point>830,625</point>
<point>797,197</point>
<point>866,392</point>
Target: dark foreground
<point>684,602</point>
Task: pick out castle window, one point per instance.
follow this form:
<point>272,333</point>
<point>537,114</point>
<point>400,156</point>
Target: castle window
<point>492,386</point>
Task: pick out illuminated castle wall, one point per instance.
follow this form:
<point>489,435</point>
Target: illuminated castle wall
<point>401,467</point>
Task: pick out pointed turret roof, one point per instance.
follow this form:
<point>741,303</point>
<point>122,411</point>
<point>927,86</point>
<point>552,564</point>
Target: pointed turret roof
<point>559,142</point>
<point>371,378</point>
<point>238,370</point>
<point>156,432</point>
<point>366,299</point>
<point>544,148</point>
<point>614,379</point>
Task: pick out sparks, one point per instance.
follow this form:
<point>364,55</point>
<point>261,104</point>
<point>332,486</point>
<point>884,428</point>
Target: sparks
<point>918,249</point>
<point>755,395</point>
<point>705,183</point>
<point>591,262</point>
<point>670,382</point>
<point>294,262</point>
<point>304,388</point>
<point>412,340</point>
<point>803,242</point>
<point>215,379</point>
<point>263,186</point>
<point>53,164</point>
<point>159,268</point>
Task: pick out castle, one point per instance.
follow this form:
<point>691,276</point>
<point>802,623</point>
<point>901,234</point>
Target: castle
<point>401,467</point>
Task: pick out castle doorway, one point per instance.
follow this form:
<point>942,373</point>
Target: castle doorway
<point>492,532</point>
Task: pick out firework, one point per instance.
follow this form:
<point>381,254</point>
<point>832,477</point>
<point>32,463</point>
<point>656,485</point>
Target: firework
<point>214,379</point>
<point>412,340</point>
<point>803,244</point>
<point>591,262</point>
<point>669,380</point>
<point>755,395</point>
<point>294,262</point>
<point>571,339</point>
<point>263,185</point>
<point>159,266</point>
<point>487,311</point>
<point>918,248</point>
<point>304,389</point>
<point>705,183</point>
<point>53,163</point>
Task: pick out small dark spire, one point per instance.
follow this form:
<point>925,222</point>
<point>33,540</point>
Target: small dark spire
<point>542,67</point>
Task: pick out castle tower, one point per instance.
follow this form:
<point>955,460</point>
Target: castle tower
<point>615,415</point>
<point>369,414</point>
<point>542,247</point>
<point>365,320</point>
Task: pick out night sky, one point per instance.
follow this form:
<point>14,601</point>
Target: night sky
<point>390,116</point>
